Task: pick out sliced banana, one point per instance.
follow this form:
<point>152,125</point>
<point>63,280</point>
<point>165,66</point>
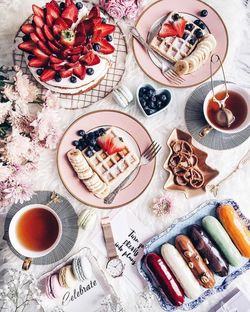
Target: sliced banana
<point>210,38</point>
<point>181,67</point>
<point>193,64</point>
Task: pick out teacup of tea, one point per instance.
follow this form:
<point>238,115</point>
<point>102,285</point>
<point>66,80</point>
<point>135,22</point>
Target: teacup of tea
<point>238,103</point>
<point>34,231</point>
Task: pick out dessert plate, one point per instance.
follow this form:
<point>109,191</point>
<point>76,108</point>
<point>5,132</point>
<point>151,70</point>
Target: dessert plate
<point>134,134</point>
<point>207,172</point>
<point>152,16</point>
<point>68,217</point>
<point>195,121</point>
<point>179,226</point>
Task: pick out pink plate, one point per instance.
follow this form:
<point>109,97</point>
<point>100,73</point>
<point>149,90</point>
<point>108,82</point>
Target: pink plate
<point>192,7</point>
<point>93,120</point>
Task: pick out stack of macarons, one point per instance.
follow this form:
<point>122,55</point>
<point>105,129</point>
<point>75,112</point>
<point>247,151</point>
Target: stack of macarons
<point>68,277</point>
<point>87,219</point>
<point>122,95</point>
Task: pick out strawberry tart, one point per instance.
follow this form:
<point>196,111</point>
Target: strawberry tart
<point>68,46</point>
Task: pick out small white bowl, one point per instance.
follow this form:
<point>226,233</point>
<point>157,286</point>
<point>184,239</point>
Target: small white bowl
<point>158,91</point>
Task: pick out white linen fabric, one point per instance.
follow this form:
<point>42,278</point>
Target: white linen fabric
<point>237,19</point>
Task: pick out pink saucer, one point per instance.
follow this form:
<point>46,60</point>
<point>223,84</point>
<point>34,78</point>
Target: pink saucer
<point>192,7</point>
<point>137,133</point>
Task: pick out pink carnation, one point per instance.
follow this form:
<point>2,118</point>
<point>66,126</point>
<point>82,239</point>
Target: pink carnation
<point>115,10</point>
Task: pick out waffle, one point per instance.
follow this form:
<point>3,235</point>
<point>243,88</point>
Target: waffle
<point>112,169</point>
<point>175,48</point>
<point>89,178</point>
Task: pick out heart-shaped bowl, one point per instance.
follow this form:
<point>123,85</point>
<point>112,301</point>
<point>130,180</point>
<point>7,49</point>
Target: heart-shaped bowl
<point>150,102</point>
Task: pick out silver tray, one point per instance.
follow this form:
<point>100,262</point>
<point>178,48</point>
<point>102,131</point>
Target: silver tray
<point>180,226</point>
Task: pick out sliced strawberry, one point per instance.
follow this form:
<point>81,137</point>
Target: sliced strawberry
<point>116,146</point>
<point>106,48</point>
<point>55,60</point>
<point>68,3</point>
<point>49,20</point>
<point>90,59</point>
<point>70,13</point>
<point>71,65</point>
<point>40,54</point>
<point>76,50</point>
<point>27,46</point>
<point>80,71</point>
<point>55,5</point>
<point>179,26</point>
<point>167,30</point>
<point>38,11</point>
<point>68,21</point>
<point>94,12</point>
<point>80,29</point>
<point>105,29</point>
<point>34,37</point>
<point>59,25</point>
<point>53,47</point>
<point>44,48</point>
<point>80,40</point>
<point>52,10</point>
<point>65,73</point>
<point>105,142</point>
<point>48,74</point>
<point>74,58</point>
<point>39,21</point>
<point>58,44</point>
<point>35,62</point>
<point>57,67</point>
<point>47,32</point>
<point>27,28</point>
<point>40,34</point>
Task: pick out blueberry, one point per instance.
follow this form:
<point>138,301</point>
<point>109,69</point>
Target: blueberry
<point>159,104</point>
<point>143,102</point>
<point>30,57</point>
<point>83,143</point>
<point>197,22</point>
<point>145,97</point>
<point>26,37</point>
<point>89,36</point>
<point>175,17</point>
<point>185,36</point>
<point>92,142</point>
<point>79,5</point>
<point>101,131</point>
<point>73,79</point>
<point>167,96</point>
<point>97,148</point>
<point>39,71</point>
<point>58,78</point>
<point>90,135</point>
<point>202,25</point>
<point>163,97</point>
<point>203,13</point>
<point>81,133</point>
<point>89,152</point>
<point>151,111</point>
<point>80,147</point>
<point>104,21</point>
<point>109,38</point>
<point>96,47</point>
<point>142,91</point>
<point>2,77</point>
<point>75,143</point>
<point>198,33</point>
<point>153,99</point>
<point>150,93</point>
<point>90,71</point>
<point>189,27</point>
<point>62,5</point>
<point>152,105</point>
<point>192,41</point>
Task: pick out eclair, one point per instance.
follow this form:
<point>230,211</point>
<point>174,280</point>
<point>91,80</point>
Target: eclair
<point>198,267</point>
<point>238,232</point>
<point>209,252</point>
<point>164,278</point>
<point>222,240</point>
<point>181,271</point>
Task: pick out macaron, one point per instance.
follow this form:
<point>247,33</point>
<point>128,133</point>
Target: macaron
<point>87,219</point>
<point>66,277</point>
<point>53,288</point>
<point>82,268</point>
<point>122,95</point>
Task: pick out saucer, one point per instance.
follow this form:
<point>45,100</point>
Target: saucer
<point>195,121</point>
<point>68,217</point>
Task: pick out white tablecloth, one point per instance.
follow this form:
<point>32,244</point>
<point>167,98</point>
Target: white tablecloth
<point>12,14</point>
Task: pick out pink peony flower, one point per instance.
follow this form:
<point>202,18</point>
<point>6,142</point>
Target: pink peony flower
<point>18,192</point>
<point>131,11</point>
<point>27,91</point>
<point>5,172</point>
<point>21,122</point>
<point>10,93</point>
<point>46,128</point>
<point>126,3</point>
<point>4,111</point>
<point>52,100</point>
<point>115,10</point>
